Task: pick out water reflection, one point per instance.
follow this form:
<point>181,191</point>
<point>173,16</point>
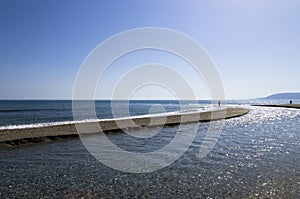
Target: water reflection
<point>257,155</point>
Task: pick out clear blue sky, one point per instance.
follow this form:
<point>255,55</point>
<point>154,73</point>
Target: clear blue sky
<point>255,44</point>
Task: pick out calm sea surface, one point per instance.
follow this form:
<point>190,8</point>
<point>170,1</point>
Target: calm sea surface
<point>257,155</point>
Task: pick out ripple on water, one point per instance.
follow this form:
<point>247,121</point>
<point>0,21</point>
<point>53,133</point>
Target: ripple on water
<point>257,155</point>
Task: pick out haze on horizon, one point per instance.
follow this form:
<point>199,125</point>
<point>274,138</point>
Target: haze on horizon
<point>254,44</point>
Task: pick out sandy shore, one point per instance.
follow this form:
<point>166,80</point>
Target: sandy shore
<point>281,105</point>
<point>14,137</point>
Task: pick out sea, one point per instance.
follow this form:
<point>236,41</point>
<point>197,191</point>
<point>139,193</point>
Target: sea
<point>256,155</point>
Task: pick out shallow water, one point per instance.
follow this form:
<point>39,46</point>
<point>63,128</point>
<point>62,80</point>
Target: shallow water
<point>257,155</point>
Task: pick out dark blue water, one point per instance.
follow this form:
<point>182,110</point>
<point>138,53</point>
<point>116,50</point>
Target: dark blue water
<point>22,112</point>
<point>25,112</point>
<point>256,156</point>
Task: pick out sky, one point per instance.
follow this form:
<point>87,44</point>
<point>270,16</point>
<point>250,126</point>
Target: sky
<point>254,44</point>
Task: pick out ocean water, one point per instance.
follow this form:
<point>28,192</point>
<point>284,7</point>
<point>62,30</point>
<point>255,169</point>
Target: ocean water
<point>256,156</point>
<point>32,112</point>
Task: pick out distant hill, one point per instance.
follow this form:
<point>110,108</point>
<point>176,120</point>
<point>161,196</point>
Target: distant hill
<point>284,96</point>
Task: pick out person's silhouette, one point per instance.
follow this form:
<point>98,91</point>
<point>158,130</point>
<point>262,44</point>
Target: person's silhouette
<point>291,102</point>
